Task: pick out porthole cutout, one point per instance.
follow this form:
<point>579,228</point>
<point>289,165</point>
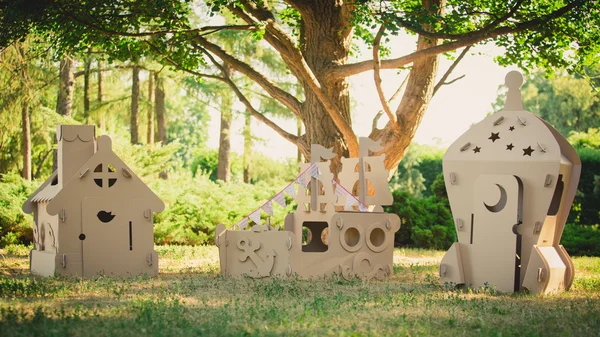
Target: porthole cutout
<point>377,237</point>
<point>315,236</point>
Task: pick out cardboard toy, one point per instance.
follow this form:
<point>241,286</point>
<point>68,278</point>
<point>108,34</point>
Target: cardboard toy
<point>93,215</point>
<point>346,243</point>
<point>511,180</point>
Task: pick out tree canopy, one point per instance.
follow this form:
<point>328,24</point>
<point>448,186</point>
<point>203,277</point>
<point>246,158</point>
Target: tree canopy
<point>314,39</point>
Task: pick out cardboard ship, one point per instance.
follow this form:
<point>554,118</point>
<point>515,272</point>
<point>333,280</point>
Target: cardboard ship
<point>346,243</point>
<point>511,180</point>
<point>93,215</point>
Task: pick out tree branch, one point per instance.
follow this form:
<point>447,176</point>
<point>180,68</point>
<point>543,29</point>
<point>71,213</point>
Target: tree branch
<point>374,129</point>
<point>297,59</point>
<point>255,18</point>
<point>81,73</point>
<point>377,75</point>
<point>227,79</point>
<point>442,80</point>
<point>279,94</point>
<point>483,30</point>
<point>359,67</point>
<point>206,30</point>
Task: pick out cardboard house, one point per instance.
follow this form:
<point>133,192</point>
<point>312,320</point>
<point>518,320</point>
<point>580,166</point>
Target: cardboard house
<point>93,215</point>
<point>317,240</point>
<point>511,180</point>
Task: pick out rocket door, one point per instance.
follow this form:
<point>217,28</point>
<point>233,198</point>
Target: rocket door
<point>495,243</point>
<point>115,237</point>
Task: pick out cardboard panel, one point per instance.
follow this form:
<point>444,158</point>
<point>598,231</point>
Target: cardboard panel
<point>42,263</point>
<point>258,254</point>
<point>546,271</point>
<point>495,245</point>
<point>118,238</point>
<point>514,142</point>
<point>451,266</point>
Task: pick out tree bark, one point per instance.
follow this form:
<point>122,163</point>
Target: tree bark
<point>101,121</point>
<point>150,131</point>
<point>416,98</point>
<point>325,42</point>
<point>86,88</point>
<point>65,87</point>
<point>135,105</point>
<point>299,133</point>
<point>247,146</point>
<point>26,145</point>
<point>223,165</point>
<point>159,106</point>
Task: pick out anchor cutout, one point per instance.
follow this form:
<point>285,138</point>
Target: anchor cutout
<point>263,268</point>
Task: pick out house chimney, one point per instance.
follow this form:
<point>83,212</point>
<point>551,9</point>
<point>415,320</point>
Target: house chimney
<point>76,144</point>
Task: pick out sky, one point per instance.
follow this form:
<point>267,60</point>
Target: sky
<point>452,110</point>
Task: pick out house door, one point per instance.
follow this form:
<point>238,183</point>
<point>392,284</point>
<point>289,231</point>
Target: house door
<point>115,237</point>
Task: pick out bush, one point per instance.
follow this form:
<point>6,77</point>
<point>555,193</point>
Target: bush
<point>196,206</point>
<point>15,226</point>
<point>425,222</point>
<point>581,240</point>
<point>586,207</point>
<point>418,169</point>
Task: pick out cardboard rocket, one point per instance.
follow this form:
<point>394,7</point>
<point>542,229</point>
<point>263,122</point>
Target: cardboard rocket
<point>346,243</point>
<point>511,180</point>
<point>93,215</point>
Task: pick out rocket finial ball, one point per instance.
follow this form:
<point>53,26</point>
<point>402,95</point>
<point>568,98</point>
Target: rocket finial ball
<point>513,80</point>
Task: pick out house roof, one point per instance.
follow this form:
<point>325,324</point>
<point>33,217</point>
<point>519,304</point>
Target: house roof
<point>46,192</point>
<point>84,184</point>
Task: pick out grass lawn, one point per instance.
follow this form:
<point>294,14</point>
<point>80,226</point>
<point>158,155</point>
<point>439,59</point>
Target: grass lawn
<point>189,298</point>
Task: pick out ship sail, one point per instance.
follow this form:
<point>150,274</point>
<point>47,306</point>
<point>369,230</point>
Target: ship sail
<point>366,176</point>
<point>324,198</point>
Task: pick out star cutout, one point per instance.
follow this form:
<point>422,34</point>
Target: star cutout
<point>477,149</point>
<point>494,136</point>
<point>509,147</point>
<point>528,151</point>
<point>512,128</point>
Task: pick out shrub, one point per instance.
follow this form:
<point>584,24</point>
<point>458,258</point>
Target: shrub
<point>581,240</point>
<point>196,206</point>
<point>425,222</point>
<point>15,226</point>
<point>586,207</point>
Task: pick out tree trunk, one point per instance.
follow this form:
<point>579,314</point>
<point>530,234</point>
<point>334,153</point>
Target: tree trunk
<point>223,165</point>
<point>26,145</point>
<point>416,98</point>
<point>299,133</point>
<point>247,146</point>
<point>325,41</point>
<point>65,87</point>
<point>86,89</point>
<point>159,106</point>
<point>135,105</point>
<point>150,133</point>
<point>101,121</point>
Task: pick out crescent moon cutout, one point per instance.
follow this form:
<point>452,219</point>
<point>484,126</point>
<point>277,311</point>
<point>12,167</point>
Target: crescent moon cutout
<point>501,203</point>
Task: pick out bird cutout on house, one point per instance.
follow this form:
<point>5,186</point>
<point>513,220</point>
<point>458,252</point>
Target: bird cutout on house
<point>92,216</point>
<point>510,200</point>
<point>346,243</point>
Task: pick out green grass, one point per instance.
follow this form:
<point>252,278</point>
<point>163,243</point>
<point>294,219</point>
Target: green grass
<point>189,298</point>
